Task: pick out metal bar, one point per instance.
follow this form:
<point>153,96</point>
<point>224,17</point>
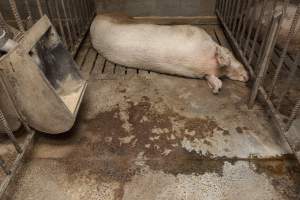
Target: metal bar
<point>265,35</point>
<point>9,133</point>
<point>293,115</point>
<point>82,23</point>
<point>85,9</point>
<point>234,22</point>
<point>3,167</point>
<point>283,55</point>
<point>5,183</point>
<point>75,22</point>
<point>223,8</point>
<point>13,6</point>
<point>29,13</point>
<point>241,18</point>
<point>275,116</point>
<point>251,26</point>
<point>289,81</point>
<point>62,32</point>
<point>231,11</point>
<point>246,19</point>
<point>67,22</point>
<point>226,15</point>
<point>257,31</point>
<point>264,63</point>
<point>40,9</point>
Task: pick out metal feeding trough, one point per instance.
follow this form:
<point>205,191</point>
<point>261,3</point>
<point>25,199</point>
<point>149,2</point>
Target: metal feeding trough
<point>42,80</point>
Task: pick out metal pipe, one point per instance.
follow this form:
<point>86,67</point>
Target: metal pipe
<point>243,11</point>
<point>257,31</point>
<point>40,9</point>
<point>289,81</point>
<point>264,63</point>
<point>250,29</point>
<point>246,19</point>
<point>234,7</point>
<point>283,55</point>
<point>13,6</point>
<point>9,133</point>
<point>67,22</point>
<point>234,22</point>
<point>293,115</point>
<point>62,32</point>
<point>29,13</point>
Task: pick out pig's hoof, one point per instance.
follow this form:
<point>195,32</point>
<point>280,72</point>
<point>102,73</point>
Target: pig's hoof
<point>214,83</point>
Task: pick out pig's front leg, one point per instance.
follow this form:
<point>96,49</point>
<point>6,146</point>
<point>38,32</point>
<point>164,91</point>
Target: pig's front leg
<point>214,83</point>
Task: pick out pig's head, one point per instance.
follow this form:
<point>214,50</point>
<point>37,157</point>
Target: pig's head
<point>230,66</point>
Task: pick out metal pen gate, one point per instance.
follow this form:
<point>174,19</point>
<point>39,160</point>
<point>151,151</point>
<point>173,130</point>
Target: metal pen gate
<point>255,28</point>
<point>72,19</point>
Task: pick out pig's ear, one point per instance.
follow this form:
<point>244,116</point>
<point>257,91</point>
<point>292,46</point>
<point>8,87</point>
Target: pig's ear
<point>223,56</point>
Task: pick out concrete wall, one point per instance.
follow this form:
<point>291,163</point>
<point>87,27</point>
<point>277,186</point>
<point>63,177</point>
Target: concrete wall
<point>158,7</point>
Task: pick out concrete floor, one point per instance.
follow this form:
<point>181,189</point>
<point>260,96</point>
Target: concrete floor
<point>152,136</point>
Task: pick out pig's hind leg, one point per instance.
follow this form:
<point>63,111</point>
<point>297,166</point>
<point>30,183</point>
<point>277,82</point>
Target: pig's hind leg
<point>214,83</point>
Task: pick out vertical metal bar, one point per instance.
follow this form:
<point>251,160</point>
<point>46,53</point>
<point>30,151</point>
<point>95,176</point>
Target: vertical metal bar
<point>293,115</point>
<point>264,63</point>
<point>283,55</point>
<point>250,29</point>
<point>67,21</point>
<point>13,6</point>
<point>243,11</point>
<point>257,31</point>
<point>29,13</point>
<point>234,22</point>
<point>9,133</point>
<point>245,24</point>
<point>62,32</point>
<point>85,9</point>
<point>226,11</point>
<point>265,33</point>
<point>223,8</point>
<point>80,15</point>
<point>40,9</point>
<point>3,167</point>
<point>72,21</point>
<point>75,25</point>
<point>230,10</point>
<point>289,80</point>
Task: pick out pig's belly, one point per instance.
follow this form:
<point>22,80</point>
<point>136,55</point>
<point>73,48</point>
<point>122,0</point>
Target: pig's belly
<point>165,54</point>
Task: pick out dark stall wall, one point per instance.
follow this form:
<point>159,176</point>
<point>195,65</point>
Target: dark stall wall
<point>158,7</point>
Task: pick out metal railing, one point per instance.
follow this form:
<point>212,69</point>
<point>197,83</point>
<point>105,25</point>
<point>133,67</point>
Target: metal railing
<point>257,29</point>
<point>72,19</point>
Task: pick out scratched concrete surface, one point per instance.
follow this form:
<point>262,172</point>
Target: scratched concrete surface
<point>152,136</point>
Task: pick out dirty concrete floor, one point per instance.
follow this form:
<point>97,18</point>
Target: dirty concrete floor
<point>152,136</point>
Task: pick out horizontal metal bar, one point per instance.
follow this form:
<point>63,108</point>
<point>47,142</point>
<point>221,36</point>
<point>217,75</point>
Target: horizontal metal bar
<point>27,143</point>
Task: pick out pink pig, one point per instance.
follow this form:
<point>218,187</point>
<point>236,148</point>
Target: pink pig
<point>180,50</point>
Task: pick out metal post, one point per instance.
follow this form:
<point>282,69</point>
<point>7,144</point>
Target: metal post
<point>29,13</point>
<point>13,6</point>
<point>257,31</point>
<point>264,63</point>
<point>243,11</point>
<point>62,32</point>
<point>9,133</point>
<point>39,6</point>
<point>245,22</point>
<point>67,22</point>
<point>293,115</point>
<point>283,55</point>
<point>289,81</point>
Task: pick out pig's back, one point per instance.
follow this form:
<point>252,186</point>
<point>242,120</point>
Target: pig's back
<point>170,49</point>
